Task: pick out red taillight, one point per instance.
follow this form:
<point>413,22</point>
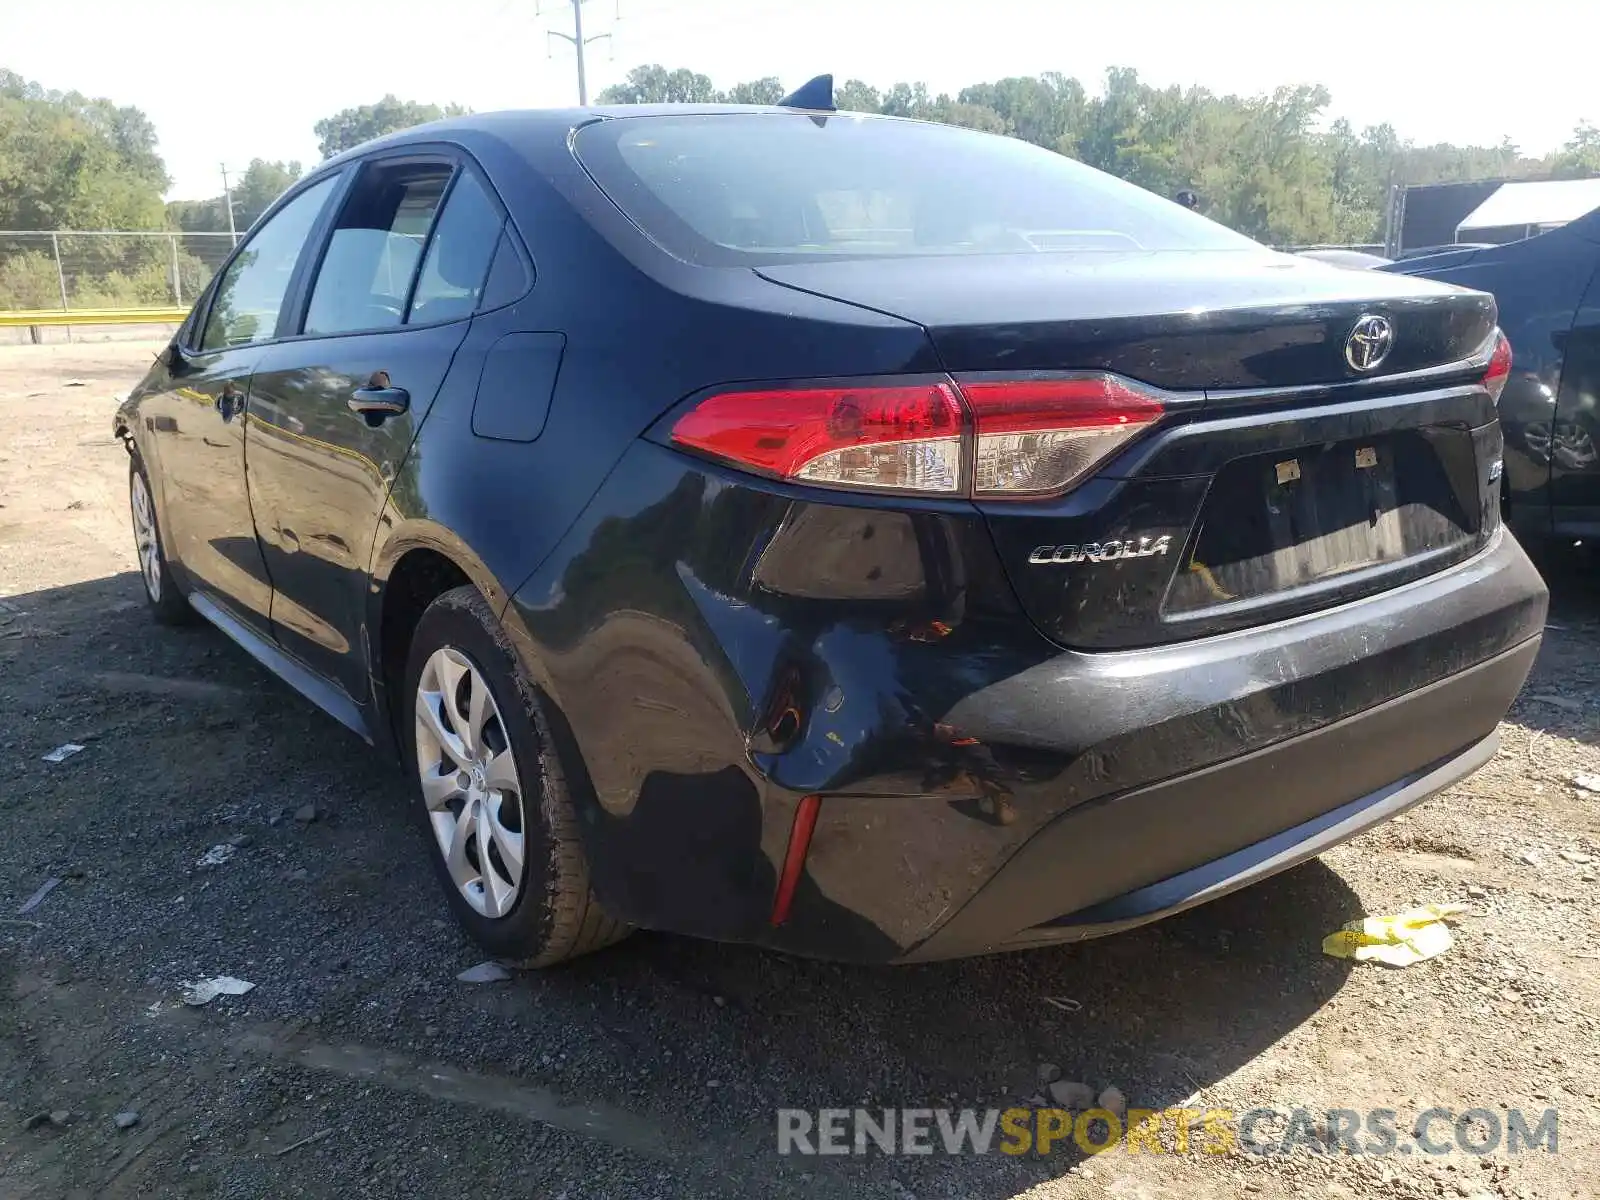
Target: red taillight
<point>1499,370</point>
<point>905,437</point>
<point>1027,437</point>
<point>1040,436</point>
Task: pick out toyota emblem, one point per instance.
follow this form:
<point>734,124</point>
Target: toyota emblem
<point>1369,343</point>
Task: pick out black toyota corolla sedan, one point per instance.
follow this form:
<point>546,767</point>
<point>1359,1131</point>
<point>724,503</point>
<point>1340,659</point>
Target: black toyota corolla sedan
<point>864,538</point>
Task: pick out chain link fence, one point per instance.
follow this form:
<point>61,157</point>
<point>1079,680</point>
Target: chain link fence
<point>69,269</point>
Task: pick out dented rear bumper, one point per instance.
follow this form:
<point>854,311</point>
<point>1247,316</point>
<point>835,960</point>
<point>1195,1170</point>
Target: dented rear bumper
<point>1181,772</point>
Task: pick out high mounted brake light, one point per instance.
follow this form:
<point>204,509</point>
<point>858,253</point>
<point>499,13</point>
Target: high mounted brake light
<point>987,436</point>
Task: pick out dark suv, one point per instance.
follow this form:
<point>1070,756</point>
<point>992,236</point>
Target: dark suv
<point>861,537</point>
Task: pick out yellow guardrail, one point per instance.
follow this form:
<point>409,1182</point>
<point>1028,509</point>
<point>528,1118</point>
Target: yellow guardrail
<point>94,316</point>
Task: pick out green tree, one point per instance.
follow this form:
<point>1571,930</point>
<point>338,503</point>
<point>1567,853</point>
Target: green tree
<point>968,116</point>
<point>261,184</point>
<point>28,280</point>
<point>654,84</point>
<point>1047,111</point>
<point>1445,163</point>
<point>757,91</point>
<point>197,216</point>
<point>854,96</point>
<point>1580,157</point>
<point>351,126</point>
<point>68,161</point>
<point>253,193</point>
<point>906,100</point>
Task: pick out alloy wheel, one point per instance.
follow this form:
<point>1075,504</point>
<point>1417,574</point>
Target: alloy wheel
<point>470,783</point>
<point>144,535</point>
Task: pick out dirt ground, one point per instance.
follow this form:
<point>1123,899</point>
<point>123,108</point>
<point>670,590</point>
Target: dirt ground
<point>655,1069</point>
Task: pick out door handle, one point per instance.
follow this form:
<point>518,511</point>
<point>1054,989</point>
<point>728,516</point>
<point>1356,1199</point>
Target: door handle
<point>376,403</point>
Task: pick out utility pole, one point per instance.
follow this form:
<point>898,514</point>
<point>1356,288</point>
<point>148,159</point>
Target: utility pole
<point>227,200</point>
<point>578,43</point>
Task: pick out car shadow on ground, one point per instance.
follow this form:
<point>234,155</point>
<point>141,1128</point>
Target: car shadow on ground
<point>1161,1013</point>
<point>708,1040</point>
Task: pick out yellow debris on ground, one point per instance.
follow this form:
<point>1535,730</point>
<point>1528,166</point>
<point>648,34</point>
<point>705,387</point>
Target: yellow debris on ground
<point>1396,941</point>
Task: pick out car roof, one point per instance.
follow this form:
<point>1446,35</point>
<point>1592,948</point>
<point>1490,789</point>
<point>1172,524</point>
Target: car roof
<point>530,128</point>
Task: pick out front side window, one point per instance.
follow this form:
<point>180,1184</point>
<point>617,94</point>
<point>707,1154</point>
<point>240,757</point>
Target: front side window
<point>251,292</point>
<point>742,189</point>
<point>373,252</point>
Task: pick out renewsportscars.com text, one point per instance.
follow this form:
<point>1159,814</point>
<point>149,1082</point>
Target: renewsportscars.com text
<point>1378,1131</point>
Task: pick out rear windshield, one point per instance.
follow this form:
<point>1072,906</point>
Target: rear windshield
<point>753,188</point>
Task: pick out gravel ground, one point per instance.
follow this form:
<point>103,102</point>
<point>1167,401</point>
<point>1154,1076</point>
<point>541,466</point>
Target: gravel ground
<point>655,1068</point>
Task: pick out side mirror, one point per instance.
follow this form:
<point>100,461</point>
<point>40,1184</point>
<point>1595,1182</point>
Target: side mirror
<point>172,357</point>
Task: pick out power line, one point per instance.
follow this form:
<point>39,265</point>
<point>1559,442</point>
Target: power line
<point>227,201</point>
<point>579,41</point>
<point>647,21</point>
<point>647,12</point>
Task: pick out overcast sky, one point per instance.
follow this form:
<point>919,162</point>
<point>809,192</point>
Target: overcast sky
<point>227,81</point>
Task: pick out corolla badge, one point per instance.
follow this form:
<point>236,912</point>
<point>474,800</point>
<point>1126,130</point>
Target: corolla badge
<point>1099,552</point>
<point>1369,343</point>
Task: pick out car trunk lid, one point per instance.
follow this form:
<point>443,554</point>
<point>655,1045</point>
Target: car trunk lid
<point>1211,319</point>
<point>1283,478</point>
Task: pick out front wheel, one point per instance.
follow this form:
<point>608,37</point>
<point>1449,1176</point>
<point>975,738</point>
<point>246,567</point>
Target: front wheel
<point>167,603</point>
<point>492,794</point>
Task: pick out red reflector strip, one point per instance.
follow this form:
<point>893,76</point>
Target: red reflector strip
<point>794,861</point>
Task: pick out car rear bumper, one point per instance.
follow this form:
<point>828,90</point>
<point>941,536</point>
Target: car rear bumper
<point>1038,898</point>
<point>1256,862</point>
<point>1184,772</point>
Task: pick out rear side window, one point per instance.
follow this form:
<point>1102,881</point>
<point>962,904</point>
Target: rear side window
<point>373,252</point>
<point>508,275</point>
<point>748,188</point>
<point>457,262</point>
<point>251,291</point>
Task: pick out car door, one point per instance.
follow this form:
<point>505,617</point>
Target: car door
<point>334,410</point>
<point>199,416</point>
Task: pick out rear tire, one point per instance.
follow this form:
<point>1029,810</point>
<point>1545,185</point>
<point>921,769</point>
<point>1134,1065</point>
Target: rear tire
<point>491,792</point>
<point>168,604</point>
